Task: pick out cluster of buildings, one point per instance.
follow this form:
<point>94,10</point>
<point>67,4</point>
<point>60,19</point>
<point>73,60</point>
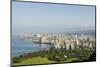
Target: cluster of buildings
<point>66,41</point>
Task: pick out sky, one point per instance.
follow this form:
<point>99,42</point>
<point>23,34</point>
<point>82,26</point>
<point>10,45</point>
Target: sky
<point>30,17</point>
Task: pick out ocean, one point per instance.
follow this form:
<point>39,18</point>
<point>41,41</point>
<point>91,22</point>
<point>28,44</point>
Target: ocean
<point>21,46</point>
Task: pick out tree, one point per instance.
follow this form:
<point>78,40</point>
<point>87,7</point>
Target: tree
<point>75,45</point>
<point>70,48</point>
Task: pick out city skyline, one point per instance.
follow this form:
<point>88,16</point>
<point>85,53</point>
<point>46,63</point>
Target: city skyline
<point>43,17</point>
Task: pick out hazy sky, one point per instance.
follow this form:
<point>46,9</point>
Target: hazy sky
<point>42,17</point>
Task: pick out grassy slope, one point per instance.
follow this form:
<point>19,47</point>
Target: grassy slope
<point>39,60</point>
<point>36,60</point>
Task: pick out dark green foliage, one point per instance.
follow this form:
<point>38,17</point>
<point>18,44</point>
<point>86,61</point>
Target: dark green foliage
<point>16,60</point>
<point>58,55</point>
